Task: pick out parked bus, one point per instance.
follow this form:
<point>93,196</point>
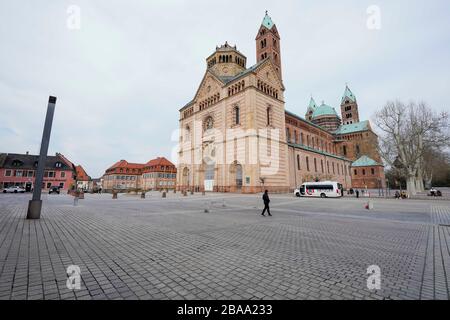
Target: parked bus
<point>325,189</point>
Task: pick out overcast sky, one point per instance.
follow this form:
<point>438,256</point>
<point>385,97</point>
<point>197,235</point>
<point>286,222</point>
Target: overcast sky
<point>122,77</point>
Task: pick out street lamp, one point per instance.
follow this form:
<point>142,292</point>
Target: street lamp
<point>35,205</point>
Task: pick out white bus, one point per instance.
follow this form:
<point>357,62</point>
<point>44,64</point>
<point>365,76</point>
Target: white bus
<point>325,189</point>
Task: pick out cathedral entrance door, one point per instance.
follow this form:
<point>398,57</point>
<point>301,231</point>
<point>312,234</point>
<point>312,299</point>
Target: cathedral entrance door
<point>238,177</point>
<point>209,178</point>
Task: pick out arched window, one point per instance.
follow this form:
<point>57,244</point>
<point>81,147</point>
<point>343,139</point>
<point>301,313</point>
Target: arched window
<point>237,119</point>
<point>298,162</point>
<point>188,133</point>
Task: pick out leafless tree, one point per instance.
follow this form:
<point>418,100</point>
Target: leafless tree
<point>407,132</point>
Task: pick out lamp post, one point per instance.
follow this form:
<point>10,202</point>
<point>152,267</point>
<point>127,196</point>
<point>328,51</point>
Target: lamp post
<point>35,205</point>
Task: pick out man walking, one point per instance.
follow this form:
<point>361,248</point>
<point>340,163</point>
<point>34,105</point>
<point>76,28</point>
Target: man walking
<point>266,200</point>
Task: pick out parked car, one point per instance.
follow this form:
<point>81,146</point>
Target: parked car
<point>15,189</point>
<point>54,190</point>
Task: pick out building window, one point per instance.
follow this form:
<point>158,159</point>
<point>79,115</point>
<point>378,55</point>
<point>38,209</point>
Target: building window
<point>49,184</point>
<point>321,165</point>
<point>334,172</point>
<point>315,164</point>
<point>268,116</point>
<point>364,172</point>
<point>19,173</point>
<point>63,174</point>
<point>298,162</point>
<point>58,165</point>
<point>344,150</point>
<point>61,185</point>
<point>355,172</point>
<point>357,149</point>
<point>288,135</point>
<point>373,171</point>
<point>237,115</point>
<point>307,163</point>
<point>16,163</point>
<point>8,173</point>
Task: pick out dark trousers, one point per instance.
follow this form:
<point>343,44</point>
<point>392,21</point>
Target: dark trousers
<point>266,207</point>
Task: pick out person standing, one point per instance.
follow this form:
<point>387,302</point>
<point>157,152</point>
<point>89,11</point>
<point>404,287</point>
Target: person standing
<point>266,201</point>
<point>357,193</point>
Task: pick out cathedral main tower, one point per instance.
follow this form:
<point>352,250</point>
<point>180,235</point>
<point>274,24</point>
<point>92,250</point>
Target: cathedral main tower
<point>268,43</point>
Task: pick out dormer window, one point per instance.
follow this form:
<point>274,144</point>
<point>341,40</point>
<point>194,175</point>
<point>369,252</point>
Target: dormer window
<point>58,165</point>
<point>17,163</point>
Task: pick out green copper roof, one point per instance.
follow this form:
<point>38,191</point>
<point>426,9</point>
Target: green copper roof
<point>301,146</point>
<point>348,94</point>
<point>267,22</point>
<point>365,161</point>
<point>354,127</point>
<point>324,110</point>
<point>312,104</point>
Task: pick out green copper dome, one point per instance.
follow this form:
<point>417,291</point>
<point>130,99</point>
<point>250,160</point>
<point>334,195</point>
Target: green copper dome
<point>324,110</point>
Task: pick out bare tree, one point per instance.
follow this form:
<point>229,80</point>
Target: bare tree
<point>406,132</point>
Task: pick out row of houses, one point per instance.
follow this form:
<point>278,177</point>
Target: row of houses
<point>156,174</point>
<point>20,170</point>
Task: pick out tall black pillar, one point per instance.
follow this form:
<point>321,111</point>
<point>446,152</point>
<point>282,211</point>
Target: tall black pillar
<point>35,205</point>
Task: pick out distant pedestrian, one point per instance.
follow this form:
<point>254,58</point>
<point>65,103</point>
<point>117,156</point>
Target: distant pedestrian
<point>357,193</point>
<point>266,201</point>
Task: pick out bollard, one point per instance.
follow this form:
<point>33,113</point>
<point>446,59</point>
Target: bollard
<point>143,195</point>
<point>114,195</point>
<point>164,194</point>
<point>369,205</point>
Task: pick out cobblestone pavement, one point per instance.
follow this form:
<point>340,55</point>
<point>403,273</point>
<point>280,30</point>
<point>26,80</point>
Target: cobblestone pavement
<point>220,247</point>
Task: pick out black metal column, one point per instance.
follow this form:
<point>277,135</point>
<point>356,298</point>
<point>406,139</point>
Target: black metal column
<point>35,205</point>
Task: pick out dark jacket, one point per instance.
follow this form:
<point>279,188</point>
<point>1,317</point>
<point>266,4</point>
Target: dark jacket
<point>266,198</point>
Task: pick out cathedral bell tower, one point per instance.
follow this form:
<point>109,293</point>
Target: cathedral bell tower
<point>349,107</point>
<point>268,43</point>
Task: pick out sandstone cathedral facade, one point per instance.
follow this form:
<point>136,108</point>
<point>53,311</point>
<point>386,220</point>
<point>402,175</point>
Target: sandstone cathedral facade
<point>237,136</point>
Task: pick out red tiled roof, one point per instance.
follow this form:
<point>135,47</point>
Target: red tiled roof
<point>160,164</point>
<point>160,161</point>
<point>81,174</point>
<point>123,164</point>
